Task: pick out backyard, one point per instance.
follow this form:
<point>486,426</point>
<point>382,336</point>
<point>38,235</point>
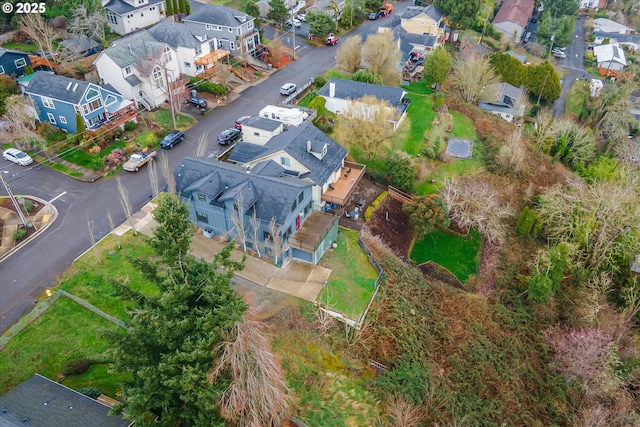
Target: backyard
<point>352,280</point>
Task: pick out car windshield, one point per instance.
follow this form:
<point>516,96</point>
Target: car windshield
<point>21,155</point>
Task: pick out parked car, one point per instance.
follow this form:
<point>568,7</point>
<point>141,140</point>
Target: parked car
<point>240,121</point>
<point>196,101</point>
<point>296,23</point>
<point>137,160</point>
<point>288,89</point>
<point>16,156</point>
<point>560,55</point>
<point>374,15</point>
<point>332,40</point>
<point>534,20</point>
<point>526,37</point>
<point>172,139</point>
<point>302,17</point>
<point>229,136</point>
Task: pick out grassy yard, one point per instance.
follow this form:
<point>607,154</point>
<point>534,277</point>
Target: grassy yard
<point>22,46</point>
<point>409,137</point>
<point>162,117</point>
<point>461,256</point>
<point>352,279</point>
<point>65,170</point>
<point>89,160</point>
<point>577,98</point>
<point>420,87</point>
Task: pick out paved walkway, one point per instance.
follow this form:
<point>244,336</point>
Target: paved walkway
<point>297,278</point>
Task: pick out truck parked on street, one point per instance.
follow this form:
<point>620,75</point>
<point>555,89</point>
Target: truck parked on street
<point>137,160</point>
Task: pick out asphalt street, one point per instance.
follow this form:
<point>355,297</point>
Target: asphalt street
<point>574,67</point>
<point>40,264</point>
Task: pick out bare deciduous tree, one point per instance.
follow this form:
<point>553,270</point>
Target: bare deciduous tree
<point>258,394</point>
<point>472,74</point>
<point>92,238</point>
<point>166,173</point>
<point>20,124</point>
<point>87,22</point>
<point>512,155</point>
<point>201,148</point>
<point>34,25</point>
<point>123,194</point>
<point>153,178</point>
<point>255,230</point>
<point>474,203</point>
<point>349,55</point>
<point>542,134</point>
<point>275,236</point>
<point>401,413</point>
<point>382,56</point>
<point>237,218</point>
<point>113,229</point>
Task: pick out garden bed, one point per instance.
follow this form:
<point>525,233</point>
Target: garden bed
<point>391,224</point>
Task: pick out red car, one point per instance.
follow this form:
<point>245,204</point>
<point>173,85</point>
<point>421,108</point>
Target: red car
<point>238,123</point>
<point>332,40</point>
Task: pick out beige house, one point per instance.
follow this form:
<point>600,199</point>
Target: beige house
<point>423,20</point>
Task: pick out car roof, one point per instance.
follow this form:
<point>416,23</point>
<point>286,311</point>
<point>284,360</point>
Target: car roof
<point>12,151</point>
<point>288,85</point>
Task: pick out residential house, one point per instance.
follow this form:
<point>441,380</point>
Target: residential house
<point>605,25</point>
<point>258,130</point>
<point>40,401</point>
<point>81,45</point>
<point>424,20</point>
<point>506,101</point>
<point>138,67</point>
<point>630,41</point>
<point>60,99</point>
<point>126,16</point>
<point>415,47</point>
<point>12,62</point>
<point>222,195</point>
<point>234,30</point>
<point>341,98</point>
<point>196,52</point>
<point>292,5</point>
<point>513,17</point>
<point>330,7</point>
<point>610,58</point>
<point>304,152</point>
<point>593,4</point>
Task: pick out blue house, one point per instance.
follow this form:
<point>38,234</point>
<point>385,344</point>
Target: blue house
<point>219,194</point>
<point>59,99</point>
<point>12,62</point>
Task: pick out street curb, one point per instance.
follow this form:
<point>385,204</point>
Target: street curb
<point>54,216</point>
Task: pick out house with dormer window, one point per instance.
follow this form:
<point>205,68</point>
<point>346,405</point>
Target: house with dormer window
<point>58,100</point>
<point>222,195</point>
<point>126,16</point>
<point>423,20</point>
<point>138,66</point>
<point>234,30</point>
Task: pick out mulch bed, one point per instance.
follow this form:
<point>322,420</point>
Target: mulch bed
<point>396,230</point>
<point>5,202</point>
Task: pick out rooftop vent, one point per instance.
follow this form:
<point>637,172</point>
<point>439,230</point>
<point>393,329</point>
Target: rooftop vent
<point>75,86</point>
<point>69,85</point>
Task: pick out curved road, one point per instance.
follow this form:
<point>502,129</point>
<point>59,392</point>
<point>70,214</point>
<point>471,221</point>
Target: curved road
<point>40,264</point>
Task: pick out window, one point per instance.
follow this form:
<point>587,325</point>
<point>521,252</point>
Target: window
<point>48,102</point>
<point>187,65</point>
<point>110,99</point>
<point>212,45</point>
<point>266,236</point>
<point>62,119</point>
<point>52,119</point>
<point>201,217</point>
<point>267,250</point>
<point>92,94</point>
<point>294,206</point>
<point>198,50</point>
<point>77,109</point>
<point>207,26</point>
<point>285,161</point>
<point>167,54</point>
<point>95,104</point>
<point>157,76</point>
<point>232,46</point>
<point>1,69</point>
<point>300,197</point>
<point>127,70</point>
<point>202,197</point>
<point>112,18</point>
<point>20,62</point>
<point>230,30</point>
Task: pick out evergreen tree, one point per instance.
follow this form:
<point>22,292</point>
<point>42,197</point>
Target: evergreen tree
<point>461,14</point>
<point>80,128</point>
<point>320,23</point>
<point>278,11</point>
<point>437,66</point>
<point>168,350</point>
<point>181,5</point>
<point>544,82</point>
<point>169,8</point>
<point>509,68</point>
<point>176,7</point>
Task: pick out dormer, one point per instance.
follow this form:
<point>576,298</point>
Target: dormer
<point>241,18</point>
<point>318,152</point>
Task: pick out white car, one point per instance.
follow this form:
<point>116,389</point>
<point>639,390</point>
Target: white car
<point>302,17</point>
<point>288,89</point>
<point>296,23</point>
<point>16,156</point>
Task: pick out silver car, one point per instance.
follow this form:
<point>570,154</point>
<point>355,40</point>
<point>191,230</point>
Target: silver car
<point>288,89</point>
<point>16,156</point>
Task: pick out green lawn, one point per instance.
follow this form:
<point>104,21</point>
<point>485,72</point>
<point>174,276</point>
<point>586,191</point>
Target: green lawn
<point>420,87</point>
<point>409,137</point>
<point>577,98</point>
<point>461,256</point>
<point>352,279</point>
<point>65,170</point>
<point>89,160</point>
<point>163,117</point>
<point>333,73</point>
<point>147,139</point>
<point>24,47</point>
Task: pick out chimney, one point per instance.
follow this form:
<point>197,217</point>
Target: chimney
<point>248,169</point>
<point>332,89</point>
<point>308,146</point>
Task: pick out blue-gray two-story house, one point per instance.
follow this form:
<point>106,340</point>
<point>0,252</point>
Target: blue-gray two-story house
<point>59,99</point>
<point>13,62</point>
<point>217,191</point>
<point>234,30</point>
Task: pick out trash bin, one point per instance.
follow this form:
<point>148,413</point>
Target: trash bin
<point>269,66</point>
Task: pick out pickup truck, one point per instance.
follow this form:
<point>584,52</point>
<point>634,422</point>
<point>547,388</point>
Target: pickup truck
<point>137,160</point>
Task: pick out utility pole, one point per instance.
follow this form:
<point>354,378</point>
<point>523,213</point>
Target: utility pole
<point>293,37</point>
<point>14,201</point>
<point>170,90</point>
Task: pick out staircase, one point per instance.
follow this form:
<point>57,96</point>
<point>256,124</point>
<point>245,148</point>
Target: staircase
<point>141,99</point>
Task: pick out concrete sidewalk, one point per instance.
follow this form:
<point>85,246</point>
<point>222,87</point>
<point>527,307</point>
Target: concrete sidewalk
<point>297,278</point>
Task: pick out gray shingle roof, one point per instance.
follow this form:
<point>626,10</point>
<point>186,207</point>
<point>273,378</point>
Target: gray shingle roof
<point>46,403</point>
<point>120,7</point>
<point>294,142</point>
<point>262,123</point>
<point>219,15</point>
<point>349,89</point>
<point>174,34</point>
<point>3,51</point>
<point>268,168</point>
<point>618,38</point>
<point>79,43</point>
<point>498,108</point>
<point>128,50</point>
<point>55,87</point>
<point>274,196</point>
<point>430,11</point>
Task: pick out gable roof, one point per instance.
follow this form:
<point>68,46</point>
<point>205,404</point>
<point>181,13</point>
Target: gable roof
<point>273,195</point>
<point>617,37</point>
<point>262,123</point>
<point>507,90</point>
<point>4,51</point>
<point>128,50</point>
<point>604,24</point>
<point>430,11</point>
<point>55,87</point>
<point>80,43</point>
<point>294,142</point>
<point>516,11</point>
<point>43,402</point>
<point>219,15</point>
<point>498,108</point>
<point>408,41</point>
<point>175,34</point>
<point>350,89</point>
<point>609,52</point>
<point>120,7</point>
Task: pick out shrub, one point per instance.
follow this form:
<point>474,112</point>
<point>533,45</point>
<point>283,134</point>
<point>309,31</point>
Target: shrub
<point>528,223</point>
<point>130,125</point>
<point>325,124</point>
<point>28,205</point>
<point>208,87</point>
<point>19,233</point>
<point>438,101</point>
<point>320,81</point>
<point>77,367</point>
<point>51,134</point>
<point>92,392</point>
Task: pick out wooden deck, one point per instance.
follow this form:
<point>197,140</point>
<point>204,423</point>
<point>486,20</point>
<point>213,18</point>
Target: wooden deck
<point>350,177</point>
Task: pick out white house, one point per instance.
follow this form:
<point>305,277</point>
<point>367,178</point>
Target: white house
<point>138,66</point>
<point>192,48</point>
<point>125,16</point>
<point>609,57</point>
<point>340,96</point>
<point>608,26</point>
<point>593,4</point>
<point>259,130</point>
<point>513,17</point>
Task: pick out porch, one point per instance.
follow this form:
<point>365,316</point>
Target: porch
<point>209,61</point>
<point>340,191</point>
<point>116,116</point>
<point>314,237</point>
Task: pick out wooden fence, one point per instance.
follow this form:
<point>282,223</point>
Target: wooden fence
<point>399,195</point>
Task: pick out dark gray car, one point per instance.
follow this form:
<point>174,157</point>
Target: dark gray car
<point>172,139</point>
